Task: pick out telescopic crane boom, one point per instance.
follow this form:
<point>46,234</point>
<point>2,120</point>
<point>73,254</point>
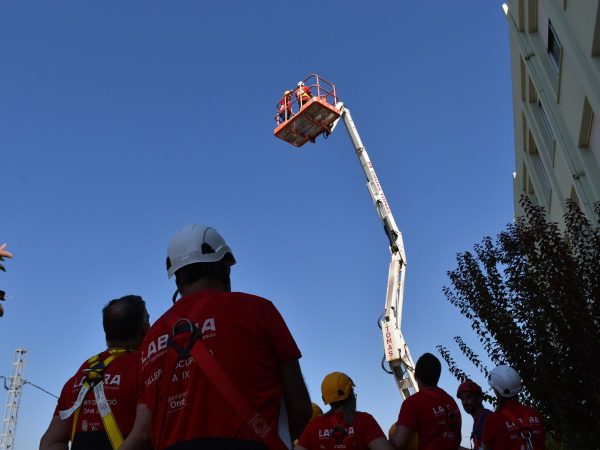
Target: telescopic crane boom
<point>395,347</point>
<point>304,119</point>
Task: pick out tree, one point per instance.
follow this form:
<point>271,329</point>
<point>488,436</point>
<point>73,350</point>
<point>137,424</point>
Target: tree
<point>4,254</point>
<point>533,298</point>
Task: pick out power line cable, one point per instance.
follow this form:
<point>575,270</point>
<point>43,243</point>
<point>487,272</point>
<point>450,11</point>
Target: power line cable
<point>41,389</point>
<point>27,382</point>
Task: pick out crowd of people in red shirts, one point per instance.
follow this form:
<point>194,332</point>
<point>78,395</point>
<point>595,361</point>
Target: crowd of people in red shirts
<point>220,370</point>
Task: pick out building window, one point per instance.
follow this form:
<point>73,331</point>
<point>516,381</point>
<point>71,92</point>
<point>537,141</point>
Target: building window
<point>525,131</point>
<point>531,143</point>
<point>531,17</point>
<point>531,189</point>
<point>574,196</point>
<point>587,119</point>
<point>543,176</point>
<point>554,47</point>
<point>593,136</point>
<point>532,93</point>
<point>539,171</point>
<point>523,79</point>
<point>596,36</point>
<point>546,121</point>
<point>542,20</point>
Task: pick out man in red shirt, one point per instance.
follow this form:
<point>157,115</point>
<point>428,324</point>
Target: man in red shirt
<point>219,369</point>
<point>111,377</point>
<point>471,396</point>
<point>431,412</point>
<point>342,427</point>
<point>303,94</point>
<point>513,425</point>
<point>284,109</point>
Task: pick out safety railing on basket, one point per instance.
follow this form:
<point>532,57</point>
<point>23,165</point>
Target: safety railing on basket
<point>293,100</point>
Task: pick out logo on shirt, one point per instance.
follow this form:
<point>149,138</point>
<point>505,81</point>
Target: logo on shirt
<point>447,420</point>
<point>332,432</point>
<point>177,401</point>
<point>109,380</point>
<point>156,346</point>
<point>152,378</point>
<point>439,411</point>
<point>534,420</point>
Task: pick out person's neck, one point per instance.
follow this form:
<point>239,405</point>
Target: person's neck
<point>504,400</point>
<point>127,345</point>
<point>475,414</point>
<point>203,284</point>
<point>422,385</point>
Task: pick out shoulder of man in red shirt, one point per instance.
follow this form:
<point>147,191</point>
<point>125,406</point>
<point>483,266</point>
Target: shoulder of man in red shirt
<point>423,412</point>
<point>248,310</point>
<point>503,427</point>
<point>240,330</point>
<point>359,434</point>
<point>121,388</point>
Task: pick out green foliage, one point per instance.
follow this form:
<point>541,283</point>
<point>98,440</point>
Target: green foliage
<point>3,254</point>
<point>533,298</point>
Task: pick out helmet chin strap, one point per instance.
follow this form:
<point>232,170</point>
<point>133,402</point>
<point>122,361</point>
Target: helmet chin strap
<point>226,280</point>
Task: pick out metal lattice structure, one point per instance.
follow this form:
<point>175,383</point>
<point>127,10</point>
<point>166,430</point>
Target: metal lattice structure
<point>15,387</point>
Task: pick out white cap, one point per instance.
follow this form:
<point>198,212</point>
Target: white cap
<point>505,381</point>
<point>196,244</point>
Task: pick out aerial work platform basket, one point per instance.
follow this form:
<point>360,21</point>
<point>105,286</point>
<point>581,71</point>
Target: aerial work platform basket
<point>306,111</point>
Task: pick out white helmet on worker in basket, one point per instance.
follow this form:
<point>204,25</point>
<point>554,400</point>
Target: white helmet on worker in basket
<point>505,381</point>
<point>196,244</point>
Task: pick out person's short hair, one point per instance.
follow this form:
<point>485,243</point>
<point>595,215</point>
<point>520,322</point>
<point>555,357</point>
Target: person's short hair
<point>124,318</point>
<point>428,369</point>
<point>193,272</point>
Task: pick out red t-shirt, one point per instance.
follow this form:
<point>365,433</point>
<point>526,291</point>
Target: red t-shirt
<point>121,388</point>
<point>248,338</point>
<point>329,431</point>
<point>503,428</point>
<point>434,415</point>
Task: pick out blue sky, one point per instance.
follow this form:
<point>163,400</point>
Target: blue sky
<point>122,121</point>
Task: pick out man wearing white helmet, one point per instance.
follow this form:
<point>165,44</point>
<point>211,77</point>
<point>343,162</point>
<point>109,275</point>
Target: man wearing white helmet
<point>513,425</point>
<point>303,94</point>
<point>220,369</point>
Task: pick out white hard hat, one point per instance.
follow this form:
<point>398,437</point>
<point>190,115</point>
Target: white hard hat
<point>196,244</point>
<point>505,380</point>
<point>300,83</point>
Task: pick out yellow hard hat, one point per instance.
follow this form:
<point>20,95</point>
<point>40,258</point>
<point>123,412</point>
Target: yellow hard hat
<point>391,431</point>
<point>287,93</point>
<point>336,387</point>
<point>413,439</point>
<point>316,410</point>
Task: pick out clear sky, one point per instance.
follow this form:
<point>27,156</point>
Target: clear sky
<point>122,121</point>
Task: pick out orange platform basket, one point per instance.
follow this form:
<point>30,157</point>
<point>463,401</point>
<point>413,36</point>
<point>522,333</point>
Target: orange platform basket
<point>307,112</point>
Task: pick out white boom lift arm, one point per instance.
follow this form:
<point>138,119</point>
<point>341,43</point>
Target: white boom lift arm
<point>395,347</point>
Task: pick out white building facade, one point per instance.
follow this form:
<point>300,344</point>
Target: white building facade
<point>555,68</point>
